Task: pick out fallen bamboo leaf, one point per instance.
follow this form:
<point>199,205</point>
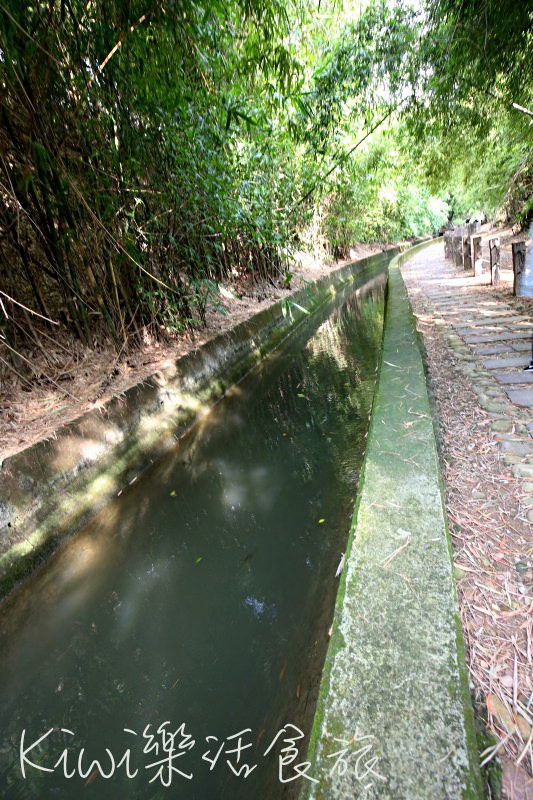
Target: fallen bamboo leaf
<point>500,712</point>
<point>341,565</point>
<point>524,728</point>
<point>526,748</point>
<point>387,561</point>
<point>490,752</point>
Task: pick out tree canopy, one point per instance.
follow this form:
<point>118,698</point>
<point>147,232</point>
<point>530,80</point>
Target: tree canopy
<point>150,151</point>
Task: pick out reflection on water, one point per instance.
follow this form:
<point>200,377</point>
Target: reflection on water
<point>179,638</point>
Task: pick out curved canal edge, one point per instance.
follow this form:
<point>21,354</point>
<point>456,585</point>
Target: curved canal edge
<point>394,718</point>
<point>50,490</point>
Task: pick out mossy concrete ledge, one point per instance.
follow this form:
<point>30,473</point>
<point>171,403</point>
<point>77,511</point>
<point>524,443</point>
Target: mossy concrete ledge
<point>394,719</point>
<point>50,490</point>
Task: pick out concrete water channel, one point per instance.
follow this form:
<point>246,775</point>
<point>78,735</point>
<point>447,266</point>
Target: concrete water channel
<point>179,637</point>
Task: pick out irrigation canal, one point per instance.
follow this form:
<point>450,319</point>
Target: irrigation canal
<point>180,635</point>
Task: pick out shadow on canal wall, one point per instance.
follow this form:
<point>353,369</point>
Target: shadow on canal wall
<point>50,490</point>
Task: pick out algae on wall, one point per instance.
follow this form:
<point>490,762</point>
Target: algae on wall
<point>394,718</point>
<point>51,489</point>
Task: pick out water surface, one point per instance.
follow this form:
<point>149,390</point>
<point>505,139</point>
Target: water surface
<point>190,618</point>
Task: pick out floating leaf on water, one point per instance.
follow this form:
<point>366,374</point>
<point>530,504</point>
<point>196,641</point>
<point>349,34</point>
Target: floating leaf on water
<point>320,521</point>
<point>94,774</point>
<point>200,558</point>
<point>173,493</point>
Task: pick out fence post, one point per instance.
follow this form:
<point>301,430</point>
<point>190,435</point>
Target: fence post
<point>459,250</point>
<point>519,259</point>
<point>467,253</point>
<point>494,251</point>
<point>476,255</point>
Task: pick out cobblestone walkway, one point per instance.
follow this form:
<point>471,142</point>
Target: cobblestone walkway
<point>477,341</point>
<point>493,342</point>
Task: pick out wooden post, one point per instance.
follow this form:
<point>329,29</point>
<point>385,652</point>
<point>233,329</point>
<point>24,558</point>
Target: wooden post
<point>519,260</point>
<point>476,255</point>
<point>494,251</point>
<point>467,252</point>
<point>446,245</point>
<point>458,250</point>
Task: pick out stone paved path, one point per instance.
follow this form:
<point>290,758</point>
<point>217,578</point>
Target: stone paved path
<point>477,344</point>
<point>495,342</point>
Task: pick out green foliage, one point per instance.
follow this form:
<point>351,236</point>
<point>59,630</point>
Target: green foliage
<point>136,166</point>
<point>458,70</point>
<point>149,152</point>
<point>475,63</point>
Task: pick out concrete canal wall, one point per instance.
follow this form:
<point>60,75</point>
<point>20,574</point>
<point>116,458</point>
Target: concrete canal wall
<point>394,720</point>
<point>50,490</point>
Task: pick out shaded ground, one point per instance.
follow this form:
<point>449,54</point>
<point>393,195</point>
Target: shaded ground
<point>487,453</point>
<point>80,379</point>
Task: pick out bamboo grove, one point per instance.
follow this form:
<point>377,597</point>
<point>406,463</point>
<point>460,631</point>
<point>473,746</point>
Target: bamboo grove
<point>151,150</point>
<point>123,198</point>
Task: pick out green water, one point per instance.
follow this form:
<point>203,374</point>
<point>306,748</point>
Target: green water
<point>199,602</point>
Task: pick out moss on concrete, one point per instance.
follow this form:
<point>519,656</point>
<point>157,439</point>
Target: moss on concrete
<point>50,490</point>
<point>395,694</point>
